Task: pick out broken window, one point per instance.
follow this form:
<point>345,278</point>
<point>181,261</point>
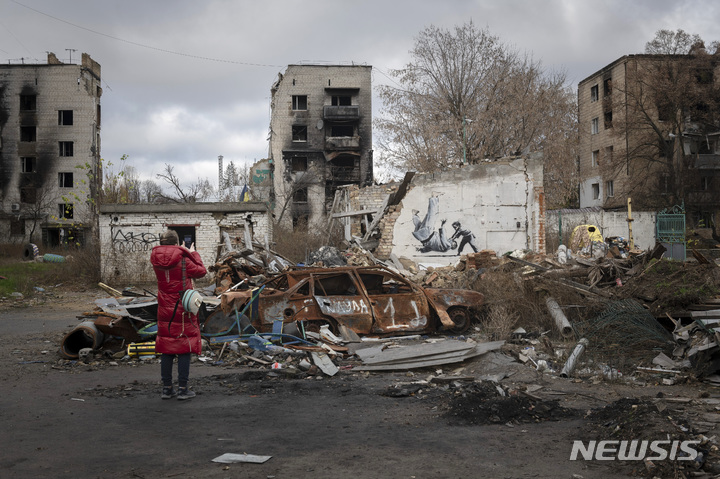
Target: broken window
<point>27,164</point>
<point>336,285</point>
<point>65,211</point>
<point>299,102</point>
<point>608,120</point>
<point>607,86</point>
<point>65,180</point>
<point>595,158</point>
<point>66,148</point>
<point>28,194</point>
<point>594,126</point>
<point>705,182</point>
<point>609,188</point>
<point>594,93</point>
<point>665,110</point>
<point>666,148</point>
<point>376,284</point>
<point>17,226</point>
<point>299,163</point>
<point>65,117</point>
<point>341,100</point>
<point>596,191</point>
<point>300,195</point>
<point>28,133</point>
<point>27,102</point>
<point>299,133</point>
<point>342,130</point>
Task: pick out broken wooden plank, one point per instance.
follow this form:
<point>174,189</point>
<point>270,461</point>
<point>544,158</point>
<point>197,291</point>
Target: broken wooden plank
<point>377,218</point>
<point>353,213</point>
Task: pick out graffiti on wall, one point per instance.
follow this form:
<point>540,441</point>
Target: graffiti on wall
<point>435,239</point>
<point>131,242</point>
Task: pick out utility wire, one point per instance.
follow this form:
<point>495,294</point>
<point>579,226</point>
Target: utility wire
<point>220,60</point>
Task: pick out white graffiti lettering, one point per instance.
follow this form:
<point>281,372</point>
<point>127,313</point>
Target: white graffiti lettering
<point>346,306</point>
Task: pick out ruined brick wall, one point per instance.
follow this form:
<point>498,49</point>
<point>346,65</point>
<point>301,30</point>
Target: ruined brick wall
<point>55,87</point>
<point>367,198</point>
<point>129,232</point>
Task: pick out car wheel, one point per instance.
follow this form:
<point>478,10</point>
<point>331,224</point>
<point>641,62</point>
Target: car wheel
<point>461,317</point>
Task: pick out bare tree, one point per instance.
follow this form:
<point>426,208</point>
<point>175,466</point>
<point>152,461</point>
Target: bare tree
<point>465,97</point>
<point>150,191</point>
<point>233,181</point>
<point>193,193</point>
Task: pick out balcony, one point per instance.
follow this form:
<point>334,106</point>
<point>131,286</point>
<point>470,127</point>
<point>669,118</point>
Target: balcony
<point>343,173</point>
<point>707,161</point>
<point>347,112</point>
<point>342,143</point>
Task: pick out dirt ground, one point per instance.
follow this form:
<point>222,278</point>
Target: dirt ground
<point>105,419</point>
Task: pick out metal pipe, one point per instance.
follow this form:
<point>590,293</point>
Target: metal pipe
<point>84,335</point>
<point>561,321</point>
<point>572,360</point>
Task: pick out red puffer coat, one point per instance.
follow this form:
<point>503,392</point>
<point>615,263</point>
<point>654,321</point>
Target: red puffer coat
<point>183,334</point>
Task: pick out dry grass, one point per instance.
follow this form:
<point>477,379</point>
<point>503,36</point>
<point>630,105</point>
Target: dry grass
<point>80,270</point>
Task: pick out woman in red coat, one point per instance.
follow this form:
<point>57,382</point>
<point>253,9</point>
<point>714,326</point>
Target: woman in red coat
<point>179,334</point>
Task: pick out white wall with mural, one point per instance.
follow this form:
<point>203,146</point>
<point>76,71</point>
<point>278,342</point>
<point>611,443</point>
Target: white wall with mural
<point>494,205</point>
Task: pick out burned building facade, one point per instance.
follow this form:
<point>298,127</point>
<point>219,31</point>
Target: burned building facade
<point>320,138</point>
<point>49,150</point>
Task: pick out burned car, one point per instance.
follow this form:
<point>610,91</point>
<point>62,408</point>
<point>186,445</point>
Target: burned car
<point>365,299</point>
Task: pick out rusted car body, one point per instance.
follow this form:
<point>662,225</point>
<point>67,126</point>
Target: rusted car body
<point>365,299</point>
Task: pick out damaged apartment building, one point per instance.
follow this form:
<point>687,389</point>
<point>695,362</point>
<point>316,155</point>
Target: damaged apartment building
<point>49,150</point>
<point>320,138</point>
<point>645,138</point>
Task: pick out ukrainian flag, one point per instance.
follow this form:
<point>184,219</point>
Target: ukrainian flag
<point>245,194</point>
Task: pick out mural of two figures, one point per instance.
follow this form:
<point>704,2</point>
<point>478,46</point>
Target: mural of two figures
<point>433,239</point>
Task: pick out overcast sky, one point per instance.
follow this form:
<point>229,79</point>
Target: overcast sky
<point>188,80</point>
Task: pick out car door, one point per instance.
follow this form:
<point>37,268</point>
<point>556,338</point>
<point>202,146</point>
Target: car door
<point>397,305</point>
<point>339,296</point>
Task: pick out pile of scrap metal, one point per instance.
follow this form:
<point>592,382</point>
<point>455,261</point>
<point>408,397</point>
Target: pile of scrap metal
<point>242,260</point>
<point>115,323</point>
<point>697,347</point>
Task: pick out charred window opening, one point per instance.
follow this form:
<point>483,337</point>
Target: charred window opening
<point>607,86</point>
<point>341,100</point>
<point>28,102</point>
<point>377,284</point>
<point>299,164</point>
<point>66,148</point>
<point>339,285</point>
<point>705,183</point>
<point>299,102</point>
<point>596,191</point>
<point>27,164</point>
<point>665,111</point>
<point>65,211</point>
<point>65,180</point>
<point>608,120</point>
<point>65,117</point>
<point>28,194</point>
<point>17,226</point>
<point>28,133</point>
<point>299,133</point>
<point>342,130</point>
<point>666,148</point>
<point>344,162</point>
<point>300,195</point>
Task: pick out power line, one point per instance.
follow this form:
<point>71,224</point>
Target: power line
<point>220,60</point>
